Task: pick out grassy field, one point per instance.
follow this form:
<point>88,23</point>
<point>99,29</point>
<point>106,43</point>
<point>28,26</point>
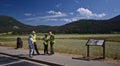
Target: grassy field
<point>74,44</point>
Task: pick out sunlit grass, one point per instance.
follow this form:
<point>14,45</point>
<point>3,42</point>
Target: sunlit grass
<point>73,44</point>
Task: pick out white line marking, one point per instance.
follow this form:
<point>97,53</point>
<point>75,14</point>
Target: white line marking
<point>11,63</point>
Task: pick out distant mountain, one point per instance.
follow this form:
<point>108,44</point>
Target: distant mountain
<point>9,24</point>
<point>93,26</point>
<point>117,18</point>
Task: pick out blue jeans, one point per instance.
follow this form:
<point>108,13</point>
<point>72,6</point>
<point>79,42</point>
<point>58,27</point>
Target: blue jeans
<point>30,48</point>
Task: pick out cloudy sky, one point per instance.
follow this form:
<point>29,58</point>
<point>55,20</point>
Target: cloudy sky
<point>58,12</point>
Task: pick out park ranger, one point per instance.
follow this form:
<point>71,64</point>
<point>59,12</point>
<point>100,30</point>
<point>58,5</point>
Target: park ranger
<point>45,43</point>
<point>34,42</point>
<point>52,41</point>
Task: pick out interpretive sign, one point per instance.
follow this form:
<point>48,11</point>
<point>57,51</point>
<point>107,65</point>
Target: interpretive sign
<point>95,42</point>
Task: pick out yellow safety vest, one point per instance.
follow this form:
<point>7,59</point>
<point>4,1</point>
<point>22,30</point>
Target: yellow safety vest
<point>34,38</point>
<point>52,38</point>
<point>45,40</point>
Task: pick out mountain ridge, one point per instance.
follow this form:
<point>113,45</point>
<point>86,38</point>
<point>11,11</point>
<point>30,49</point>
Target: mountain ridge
<point>8,24</point>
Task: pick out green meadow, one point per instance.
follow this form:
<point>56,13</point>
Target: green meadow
<point>72,44</point>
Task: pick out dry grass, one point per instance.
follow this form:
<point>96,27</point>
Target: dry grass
<point>74,44</point>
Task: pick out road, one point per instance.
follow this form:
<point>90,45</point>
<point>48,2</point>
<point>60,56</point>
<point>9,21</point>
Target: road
<point>13,61</point>
<point>12,57</point>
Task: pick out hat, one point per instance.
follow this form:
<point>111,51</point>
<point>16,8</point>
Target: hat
<point>33,31</point>
<point>50,32</point>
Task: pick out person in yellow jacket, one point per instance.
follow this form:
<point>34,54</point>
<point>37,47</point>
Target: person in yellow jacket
<point>52,41</point>
<point>45,43</point>
<point>34,42</point>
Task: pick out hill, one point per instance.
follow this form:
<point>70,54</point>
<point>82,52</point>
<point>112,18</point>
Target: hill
<point>9,24</point>
<point>93,26</point>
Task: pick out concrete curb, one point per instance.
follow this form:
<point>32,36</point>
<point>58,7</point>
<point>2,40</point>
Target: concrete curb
<point>30,59</point>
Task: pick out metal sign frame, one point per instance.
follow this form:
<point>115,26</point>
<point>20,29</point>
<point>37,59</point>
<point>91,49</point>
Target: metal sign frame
<point>95,42</point>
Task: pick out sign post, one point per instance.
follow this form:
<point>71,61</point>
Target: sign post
<point>95,42</point>
<point>104,50</point>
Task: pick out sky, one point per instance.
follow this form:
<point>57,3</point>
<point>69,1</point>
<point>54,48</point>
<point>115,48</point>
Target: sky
<point>58,12</point>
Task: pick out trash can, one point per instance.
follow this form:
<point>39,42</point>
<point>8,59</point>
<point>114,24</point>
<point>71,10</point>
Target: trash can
<point>19,43</point>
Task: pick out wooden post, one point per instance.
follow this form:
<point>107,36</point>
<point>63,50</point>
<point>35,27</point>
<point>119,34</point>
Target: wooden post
<point>104,50</point>
<point>88,51</point>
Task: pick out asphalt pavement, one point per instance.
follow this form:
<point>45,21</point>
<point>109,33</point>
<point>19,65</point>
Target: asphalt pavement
<point>43,60</point>
<point>6,60</point>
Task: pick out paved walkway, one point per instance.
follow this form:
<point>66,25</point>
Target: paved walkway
<point>52,59</point>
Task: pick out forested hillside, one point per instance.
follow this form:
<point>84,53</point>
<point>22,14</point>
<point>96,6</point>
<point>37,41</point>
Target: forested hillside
<point>9,24</point>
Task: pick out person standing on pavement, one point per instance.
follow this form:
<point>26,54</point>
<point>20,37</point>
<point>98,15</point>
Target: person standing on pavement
<point>45,43</point>
<point>30,45</point>
<point>52,42</point>
<point>34,42</point>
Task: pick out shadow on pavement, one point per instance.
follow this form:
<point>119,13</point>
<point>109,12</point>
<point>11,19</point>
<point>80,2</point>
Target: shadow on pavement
<point>87,59</point>
<point>23,55</point>
<point>34,60</point>
<point>81,58</point>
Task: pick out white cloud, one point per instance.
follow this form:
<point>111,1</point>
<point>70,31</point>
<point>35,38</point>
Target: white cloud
<point>32,18</point>
<point>88,13</point>
<point>55,13</point>
<point>52,16</point>
<point>28,14</point>
<point>70,19</point>
<point>47,20</point>
<point>100,15</point>
<point>74,19</point>
<point>57,16</point>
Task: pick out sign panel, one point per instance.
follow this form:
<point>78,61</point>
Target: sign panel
<point>95,42</point>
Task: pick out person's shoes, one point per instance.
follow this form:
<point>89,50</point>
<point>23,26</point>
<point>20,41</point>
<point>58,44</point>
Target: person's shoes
<point>44,54</point>
<point>51,53</point>
<point>47,53</point>
<point>33,54</point>
<point>30,56</point>
<point>38,54</point>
